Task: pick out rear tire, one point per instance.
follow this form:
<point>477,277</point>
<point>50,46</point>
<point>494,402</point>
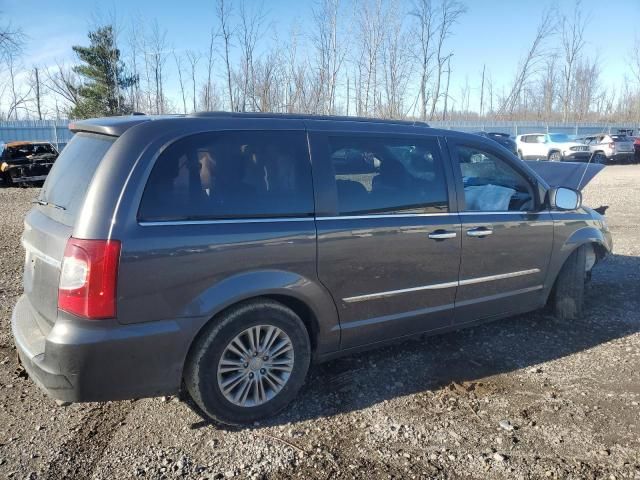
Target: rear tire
<point>568,296</point>
<point>211,364</point>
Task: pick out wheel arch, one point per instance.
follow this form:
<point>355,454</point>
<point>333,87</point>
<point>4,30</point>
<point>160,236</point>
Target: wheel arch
<point>585,236</point>
<point>305,297</point>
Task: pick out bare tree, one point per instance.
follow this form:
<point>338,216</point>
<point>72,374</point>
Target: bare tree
<point>19,93</point>
<point>397,64</point>
<point>329,53</point>
<point>586,88</point>
<point>223,12</point>
<point>481,112</point>
<point>157,42</point>
<point>446,92</point>
<point>208,89</point>
<point>295,76</point>
<point>64,84</point>
<point>549,88</point>
<point>35,85</point>
<point>370,25</point>
<point>178,59</point>
<point>530,65</point>
<point>572,39</point>
<point>251,29</point>
<point>193,58</point>
<point>11,39</point>
<point>634,58</point>
<point>424,32</point>
<point>450,12</point>
<point>134,47</point>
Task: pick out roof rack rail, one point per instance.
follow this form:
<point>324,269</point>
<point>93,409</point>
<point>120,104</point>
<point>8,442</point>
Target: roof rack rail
<point>305,116</point>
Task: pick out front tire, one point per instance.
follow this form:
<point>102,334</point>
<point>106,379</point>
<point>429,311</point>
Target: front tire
<point>249,363</point>
<point>568,295</point>
<point>555,157</point>
<point>600,157</point>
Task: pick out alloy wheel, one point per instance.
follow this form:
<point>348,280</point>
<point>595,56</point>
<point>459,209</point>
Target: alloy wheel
<point>255,366</point>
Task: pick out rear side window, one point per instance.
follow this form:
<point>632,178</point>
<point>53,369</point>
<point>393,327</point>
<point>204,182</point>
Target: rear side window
<point>67,183</point>
<point>239,174</point>
<point>620,138</point>
<point>375,176</point>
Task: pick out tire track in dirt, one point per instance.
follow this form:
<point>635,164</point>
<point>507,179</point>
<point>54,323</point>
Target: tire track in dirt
<point>79,455</point>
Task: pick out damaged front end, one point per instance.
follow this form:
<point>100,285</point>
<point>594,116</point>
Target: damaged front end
<point>569,175</point>
<point>24,163</point>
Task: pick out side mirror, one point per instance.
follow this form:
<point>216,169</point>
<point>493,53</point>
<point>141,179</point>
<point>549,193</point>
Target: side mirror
<point>562,198</point>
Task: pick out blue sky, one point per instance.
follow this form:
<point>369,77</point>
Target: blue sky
<point>492,32</point>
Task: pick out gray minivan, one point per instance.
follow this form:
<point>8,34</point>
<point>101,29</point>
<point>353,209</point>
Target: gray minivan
<point>221,253</point>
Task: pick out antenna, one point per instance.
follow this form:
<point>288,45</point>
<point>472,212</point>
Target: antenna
<point>586,167</point>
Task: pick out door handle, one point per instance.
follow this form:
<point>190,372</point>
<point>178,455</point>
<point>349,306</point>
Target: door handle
<point>442,235</point>
<point>479,232</point>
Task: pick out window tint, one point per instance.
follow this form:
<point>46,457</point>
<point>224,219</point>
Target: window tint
<point>491,184</point>
<point>67,183</point>
<point>239,174</point>
<point>387,175</point>
<point>620,138</point>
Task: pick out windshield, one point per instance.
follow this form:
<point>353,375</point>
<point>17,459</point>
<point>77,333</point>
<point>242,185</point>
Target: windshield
<point>559,137</point>
<point>69,179</point>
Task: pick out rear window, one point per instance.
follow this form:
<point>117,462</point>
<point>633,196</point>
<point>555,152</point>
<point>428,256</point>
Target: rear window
<point>620,138</point>
<point>67,183</point>
<point>239,174</point>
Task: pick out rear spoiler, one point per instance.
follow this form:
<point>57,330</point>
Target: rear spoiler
<point>111,126</point>
<point>115,126</point>
<point>566,174</point>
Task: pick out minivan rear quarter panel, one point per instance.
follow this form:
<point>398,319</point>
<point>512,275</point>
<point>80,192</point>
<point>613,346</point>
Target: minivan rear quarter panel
<point>212,263</point>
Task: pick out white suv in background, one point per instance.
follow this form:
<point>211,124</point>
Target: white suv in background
<point>555,147</point>
<point>609,148</point>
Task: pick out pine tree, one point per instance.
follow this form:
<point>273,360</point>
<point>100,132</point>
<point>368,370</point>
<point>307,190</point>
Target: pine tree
<point>104,77</point>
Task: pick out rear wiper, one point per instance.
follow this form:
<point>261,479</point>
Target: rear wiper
<point>47,204</point>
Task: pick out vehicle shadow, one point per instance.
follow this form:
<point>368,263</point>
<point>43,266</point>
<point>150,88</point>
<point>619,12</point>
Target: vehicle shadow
<point>360,381</point>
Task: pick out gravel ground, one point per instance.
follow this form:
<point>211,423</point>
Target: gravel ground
<point>526,397</point>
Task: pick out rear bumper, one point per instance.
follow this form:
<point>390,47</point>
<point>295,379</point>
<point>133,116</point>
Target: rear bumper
<point>81,361</point>
<point>621,157</point>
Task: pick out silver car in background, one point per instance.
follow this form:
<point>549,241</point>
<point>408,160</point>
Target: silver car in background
<point>610,148</point>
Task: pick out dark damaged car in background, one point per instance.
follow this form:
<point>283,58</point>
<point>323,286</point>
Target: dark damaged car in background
<point>23,163</point>
<point>218,254</point>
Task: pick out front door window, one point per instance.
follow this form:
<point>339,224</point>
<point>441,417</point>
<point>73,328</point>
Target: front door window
<point>490,184</point>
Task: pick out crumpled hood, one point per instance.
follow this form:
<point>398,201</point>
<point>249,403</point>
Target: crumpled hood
<point>574,175</point>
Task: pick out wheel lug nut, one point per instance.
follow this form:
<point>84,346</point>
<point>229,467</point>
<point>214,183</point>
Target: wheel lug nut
<point>246,365</point>
<point>262,371</point>
<point>251,375</point>
<point>255,354</point>
<point>265,358</point>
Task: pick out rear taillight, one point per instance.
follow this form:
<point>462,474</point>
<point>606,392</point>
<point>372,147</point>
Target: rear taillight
<point>88,278</point>
<point>612,146</point>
